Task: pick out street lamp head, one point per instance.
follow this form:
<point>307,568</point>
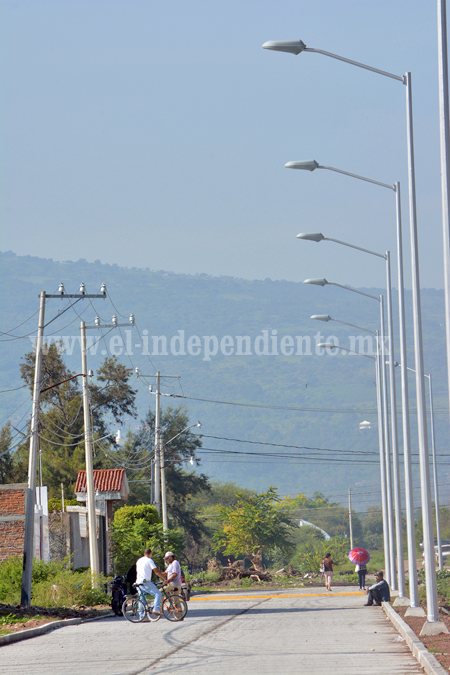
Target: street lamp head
<point>90,373</point>
<point>199,424</point>
<point>327,345</point>
<point>316,282</point>
<point>306,165</point>
<point>289,46</point>
<point>191,461</point>
<point>314,236</point>
<point>321,317</point>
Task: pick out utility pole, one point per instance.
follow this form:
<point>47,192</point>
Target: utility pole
<point>350,517</point>
<point>90,487</point>
<point>157,489</point>
<point>28,552</point>
<point>165,519</point>
<point>28,549</point>
<point>90,497</point>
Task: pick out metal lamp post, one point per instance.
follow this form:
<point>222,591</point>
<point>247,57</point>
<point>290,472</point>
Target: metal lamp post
<point>380,414</point>
<point>444,129</point>
<point>390,561</point>
<point>311,165</point>
<point>318,236</point>
<point>296,47</point>
<point>435,474</point>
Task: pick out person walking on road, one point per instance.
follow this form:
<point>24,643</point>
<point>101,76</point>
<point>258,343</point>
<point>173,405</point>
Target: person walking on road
<point>144,568</point>
<point>328,565</point>
<point>379,592</point>
<point>362,571</point>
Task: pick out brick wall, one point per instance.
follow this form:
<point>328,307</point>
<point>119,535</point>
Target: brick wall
<point>12,519</point>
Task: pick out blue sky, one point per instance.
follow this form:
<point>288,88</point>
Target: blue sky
<point>154,134</point>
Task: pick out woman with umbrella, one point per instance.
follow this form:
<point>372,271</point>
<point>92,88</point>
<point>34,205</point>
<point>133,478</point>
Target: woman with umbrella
<point>360,557</point>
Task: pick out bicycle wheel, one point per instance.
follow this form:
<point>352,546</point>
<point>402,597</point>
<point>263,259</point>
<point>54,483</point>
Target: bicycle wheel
<point>151,616</point>
<point>174,608</point>
<point>134,610</point>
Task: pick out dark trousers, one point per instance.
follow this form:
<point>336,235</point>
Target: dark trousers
<point>374,596</point>
<point>362,578</point>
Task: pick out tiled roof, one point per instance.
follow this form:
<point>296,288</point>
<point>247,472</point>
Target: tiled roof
<point>105,480</point>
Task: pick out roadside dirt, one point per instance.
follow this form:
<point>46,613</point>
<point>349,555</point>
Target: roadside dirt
<point>438,645</point>
<point>45,614</point>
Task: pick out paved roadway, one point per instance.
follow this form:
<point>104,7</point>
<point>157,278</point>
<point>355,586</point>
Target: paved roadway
<point>301,631</point>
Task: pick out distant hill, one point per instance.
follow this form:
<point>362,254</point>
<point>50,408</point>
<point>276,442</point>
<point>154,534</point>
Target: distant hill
<point>221,335</point>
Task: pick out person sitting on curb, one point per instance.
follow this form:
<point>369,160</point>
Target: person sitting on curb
<point>379,592</point>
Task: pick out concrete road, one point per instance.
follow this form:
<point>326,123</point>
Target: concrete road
<point>298,631</point>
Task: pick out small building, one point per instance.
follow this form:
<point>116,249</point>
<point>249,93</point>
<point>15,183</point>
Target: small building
<point>110,485</point>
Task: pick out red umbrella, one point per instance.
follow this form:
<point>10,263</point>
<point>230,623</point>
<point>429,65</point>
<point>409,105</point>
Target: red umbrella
<point>359,556</point>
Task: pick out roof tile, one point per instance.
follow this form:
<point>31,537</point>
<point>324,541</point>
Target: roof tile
<point>105,480</point>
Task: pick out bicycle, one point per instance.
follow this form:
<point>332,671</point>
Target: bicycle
<point>136,608</point>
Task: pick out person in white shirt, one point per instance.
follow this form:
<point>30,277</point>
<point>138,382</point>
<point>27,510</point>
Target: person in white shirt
<point>144,569</point>
<point>173,574</point>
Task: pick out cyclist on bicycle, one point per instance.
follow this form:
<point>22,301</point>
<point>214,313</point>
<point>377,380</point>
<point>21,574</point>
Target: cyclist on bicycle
<point>144,568</point>
<point>172,574</point>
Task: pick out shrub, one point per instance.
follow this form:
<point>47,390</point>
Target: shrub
<point>310,557</point>
<point>53,584</point>
<point>70,588</point>
<point>135,528</point>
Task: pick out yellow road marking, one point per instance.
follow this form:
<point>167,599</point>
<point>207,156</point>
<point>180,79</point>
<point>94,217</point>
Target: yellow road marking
<point>261,597</point>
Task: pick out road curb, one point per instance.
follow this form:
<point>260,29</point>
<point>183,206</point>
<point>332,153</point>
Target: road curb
<point>46,628</point>
<point>428,662</point>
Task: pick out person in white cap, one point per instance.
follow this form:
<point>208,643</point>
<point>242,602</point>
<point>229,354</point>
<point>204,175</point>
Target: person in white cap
<point>173,574</point>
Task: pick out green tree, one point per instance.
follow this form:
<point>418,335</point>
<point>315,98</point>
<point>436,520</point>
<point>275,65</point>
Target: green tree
<point>135,528</point>
<point>61,422</point>
<point>181,485</point>
<point>253,526</point>
<point>372,527</point>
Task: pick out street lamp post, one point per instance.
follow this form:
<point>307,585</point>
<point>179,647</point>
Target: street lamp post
<point>435,474</point>
<point>390,561</point>
<point>318,236</point>
<point>296,47</point>
<point>444,129</point>
<point>311,165</point>
<point>380,420</point>
<point>435,477</point>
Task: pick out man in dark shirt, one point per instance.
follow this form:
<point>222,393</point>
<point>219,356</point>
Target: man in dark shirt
<point>378,592</point>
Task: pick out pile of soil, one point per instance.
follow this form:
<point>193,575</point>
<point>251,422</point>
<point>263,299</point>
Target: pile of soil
<point>47,615</point>
<point>438,645</point>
